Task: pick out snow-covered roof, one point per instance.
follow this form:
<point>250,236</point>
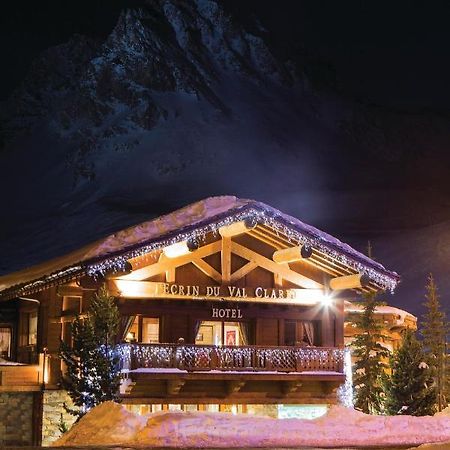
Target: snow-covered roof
<point>195,220</point>
<point>382,309</point>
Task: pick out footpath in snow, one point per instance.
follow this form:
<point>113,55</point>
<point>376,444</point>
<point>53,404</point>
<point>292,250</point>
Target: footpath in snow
<point>111,424</point>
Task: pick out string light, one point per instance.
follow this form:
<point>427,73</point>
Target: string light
<point>295,231</point>
<point>345,391</point>
<point>380,276</point>
<point>194,357</point>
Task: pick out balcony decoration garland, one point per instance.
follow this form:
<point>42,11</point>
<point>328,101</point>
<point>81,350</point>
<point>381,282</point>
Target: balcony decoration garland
<point>193,357</point>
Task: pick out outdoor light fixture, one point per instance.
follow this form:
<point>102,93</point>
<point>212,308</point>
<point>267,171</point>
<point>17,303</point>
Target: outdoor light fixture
<point>309,296</point>
<point>326,301</point>
<point>180,248</point>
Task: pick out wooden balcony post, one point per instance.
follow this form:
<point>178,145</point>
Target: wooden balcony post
<point>214,362</point>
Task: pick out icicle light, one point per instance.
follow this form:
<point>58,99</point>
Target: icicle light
<point>117,263</point>
<point>247,358</point>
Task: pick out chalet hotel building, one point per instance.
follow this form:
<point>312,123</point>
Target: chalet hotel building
<point>226,304</point>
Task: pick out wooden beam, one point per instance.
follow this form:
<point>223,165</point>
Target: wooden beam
<point>226,260</point>
<point>172,263</point>
<point>174,386</point>
<point>69,290</point>
<point>208,270</point>
<point>244,270</point>
<point>234,386</point>
<point>271,266</point>
<point>161,290</point>
<point>292,254</point>
<point>277,280</point>
<point>171,275</point>
<point>258,234</point>
<point>289,387</point>
<point>237,228</point>
<point>349,282</point>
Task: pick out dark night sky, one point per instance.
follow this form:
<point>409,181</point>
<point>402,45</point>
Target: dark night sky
<point>391,54</point>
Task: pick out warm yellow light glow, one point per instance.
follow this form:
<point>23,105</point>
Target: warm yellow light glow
<point>44,367</point>
<point>180,248</point>
<point>309,296</point>
<point>135,289</point>
<point>177,249</point>
<point>326,300</point>
<point>130,336</point>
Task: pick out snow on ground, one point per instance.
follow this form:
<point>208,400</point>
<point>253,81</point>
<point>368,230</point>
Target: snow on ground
<point>111,424</point>
<point>5,362</point>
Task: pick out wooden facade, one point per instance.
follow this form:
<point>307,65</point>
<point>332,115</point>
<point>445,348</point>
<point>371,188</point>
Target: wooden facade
<point>240,312</point>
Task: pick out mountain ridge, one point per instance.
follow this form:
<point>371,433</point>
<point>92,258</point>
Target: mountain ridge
<point>178,103</point>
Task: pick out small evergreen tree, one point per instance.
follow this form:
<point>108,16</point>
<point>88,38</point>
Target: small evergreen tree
<point>93,374</point>
<point>104,316</point>
<point>410,389</point>
<point>434,331</point>
<point>370,354</point>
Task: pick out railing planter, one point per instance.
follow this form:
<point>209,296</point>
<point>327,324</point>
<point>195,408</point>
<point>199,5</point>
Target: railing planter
<point>229,358</point>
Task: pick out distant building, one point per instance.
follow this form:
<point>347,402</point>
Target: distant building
<point>226,304</point>
<point>393,320</point>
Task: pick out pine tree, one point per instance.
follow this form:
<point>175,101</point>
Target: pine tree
<point>410,389</point>
<point>434,331</point>
<point>105,319</point>
<point>92,375</point>
<point>370,366</point>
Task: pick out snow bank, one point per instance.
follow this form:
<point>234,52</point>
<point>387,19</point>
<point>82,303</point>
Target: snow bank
<point>112,424</point>
<point>108,422</point>
<point>444,413</point>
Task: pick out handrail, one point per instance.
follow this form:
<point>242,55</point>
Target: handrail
<point>192,357</point>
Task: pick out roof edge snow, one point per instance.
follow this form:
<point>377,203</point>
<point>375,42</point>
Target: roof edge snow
<point>192,221</point>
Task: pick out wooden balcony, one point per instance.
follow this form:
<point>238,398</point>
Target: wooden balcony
<point>198,373</point>
<point>193,358</point>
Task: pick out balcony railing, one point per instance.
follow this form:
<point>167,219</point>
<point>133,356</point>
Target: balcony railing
<point>231,358</point>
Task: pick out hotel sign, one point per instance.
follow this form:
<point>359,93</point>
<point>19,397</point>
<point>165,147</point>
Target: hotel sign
<point>151,289</point>
<point>215,292</point>
<point>226,313</point>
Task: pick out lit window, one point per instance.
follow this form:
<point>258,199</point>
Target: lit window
<point>32,328</point>
<point>5,342</point>
<point>150,330</point>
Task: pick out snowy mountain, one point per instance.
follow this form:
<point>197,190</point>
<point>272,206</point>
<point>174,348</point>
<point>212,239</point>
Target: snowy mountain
<point>180,102</point>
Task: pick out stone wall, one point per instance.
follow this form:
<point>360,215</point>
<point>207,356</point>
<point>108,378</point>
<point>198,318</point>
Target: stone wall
<point>53,414</point>
<point>16,418</point>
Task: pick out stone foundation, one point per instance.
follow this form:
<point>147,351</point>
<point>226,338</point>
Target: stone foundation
<point>16,418</point>
<point>54,414</point>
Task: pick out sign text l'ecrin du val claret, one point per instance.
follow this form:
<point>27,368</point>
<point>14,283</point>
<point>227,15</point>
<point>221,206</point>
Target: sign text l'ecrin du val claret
<point>166,290</point>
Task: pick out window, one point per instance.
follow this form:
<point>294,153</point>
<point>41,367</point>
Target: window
<point>67,333</point>
<point>32,328</point>
<point>71,305</point>
<point>222,333</point>
<point>5,342</point>
<point>150,330</point>
<point>302,333</point>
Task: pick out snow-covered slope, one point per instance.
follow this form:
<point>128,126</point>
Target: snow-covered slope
<point>179,103</point>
